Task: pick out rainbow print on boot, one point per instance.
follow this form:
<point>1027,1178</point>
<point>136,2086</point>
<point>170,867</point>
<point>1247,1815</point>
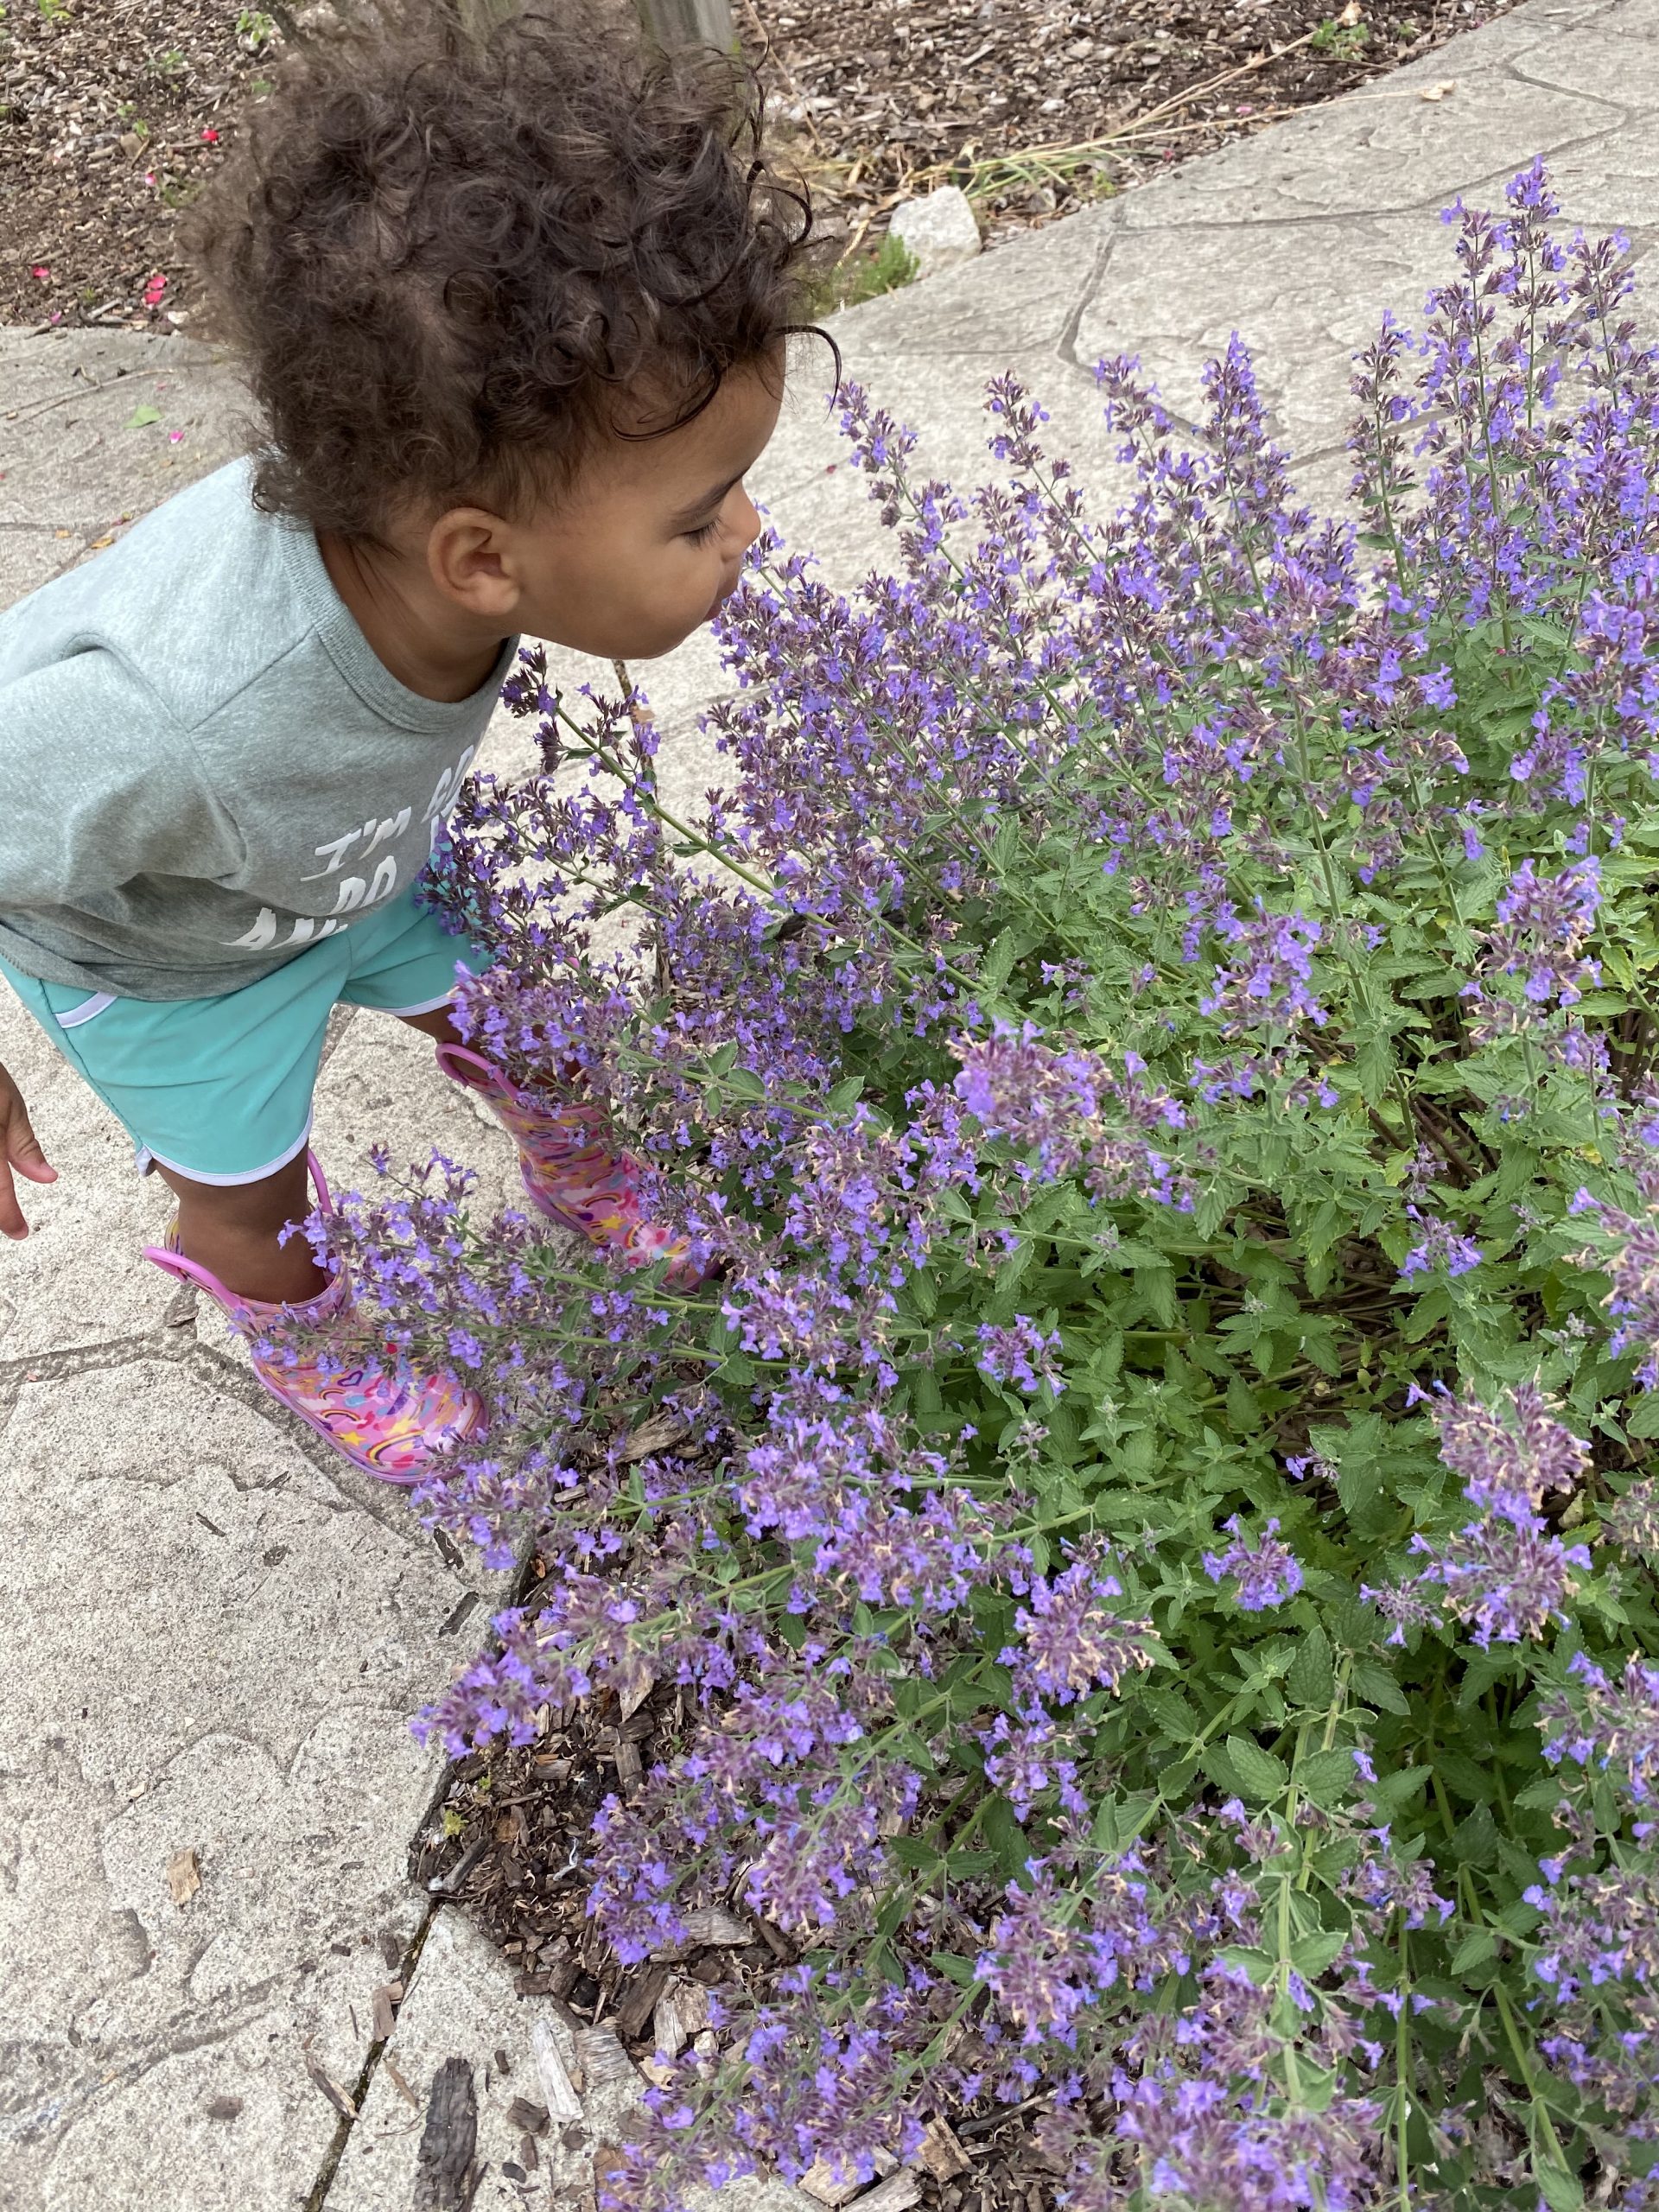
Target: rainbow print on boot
<point>570,1172</point>
<point>394,1421</point>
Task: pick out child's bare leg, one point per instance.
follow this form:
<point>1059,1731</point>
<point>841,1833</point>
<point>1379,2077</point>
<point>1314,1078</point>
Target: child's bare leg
<point>234,1232</point>
<point>437,1024</point>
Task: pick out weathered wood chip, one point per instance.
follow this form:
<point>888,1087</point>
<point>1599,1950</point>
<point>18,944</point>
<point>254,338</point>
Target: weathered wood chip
<point>776,1942</point>
<point>397,2081</point>
<point>528,2118</point>
<point>608,2165</point>
<point>668,2028</point>
<point>633,1682</point>
<point>555,2069</point>
<point>640,1992</point>
<point>444,2175</point>
<point>941,2153</point>
<point>897,2194</point>
<point>338,2097</point>
<point>712,1923</point>
<point>821,2180</point>
<point>386,2009</point>
<point>709,1924</point>
<point>183,1876</point>
<point>659,1432</point>
<point>602,2057</point>
<point>691,2004</point>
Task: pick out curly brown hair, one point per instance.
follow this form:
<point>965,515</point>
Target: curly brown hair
<point>453,261</point>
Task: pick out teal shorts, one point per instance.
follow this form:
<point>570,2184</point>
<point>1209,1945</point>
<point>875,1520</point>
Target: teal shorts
<point>219,1090</point>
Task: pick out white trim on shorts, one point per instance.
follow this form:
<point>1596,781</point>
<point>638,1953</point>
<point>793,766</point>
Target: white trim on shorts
<point>427,1006</point>
<point>144,1159</point>
<point>85,1010</point>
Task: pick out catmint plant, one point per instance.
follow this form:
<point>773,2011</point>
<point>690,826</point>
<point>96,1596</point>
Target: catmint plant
<point>1149,1515</point>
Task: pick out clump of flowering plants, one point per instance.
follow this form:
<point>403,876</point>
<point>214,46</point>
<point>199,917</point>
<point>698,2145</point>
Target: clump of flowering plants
<point>1147,1516</point>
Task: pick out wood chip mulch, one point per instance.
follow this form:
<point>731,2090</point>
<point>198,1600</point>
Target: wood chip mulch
<point>1034,106</point>
<point>505,1844</point>
<point>113,111</point>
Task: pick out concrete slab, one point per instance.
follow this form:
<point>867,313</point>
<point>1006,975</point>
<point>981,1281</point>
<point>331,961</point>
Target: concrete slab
<point>96,426</point>
<point>207,1645</point>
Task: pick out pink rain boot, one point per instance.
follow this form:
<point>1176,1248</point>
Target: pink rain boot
<point>570,1172</point>
<point>395,1423</point>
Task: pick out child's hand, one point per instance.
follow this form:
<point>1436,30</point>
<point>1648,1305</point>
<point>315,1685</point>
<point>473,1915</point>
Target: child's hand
<point>20,1149</point>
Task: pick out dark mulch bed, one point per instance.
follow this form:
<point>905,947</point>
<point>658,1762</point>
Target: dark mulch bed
<point>506,1846</point>
<point>1007,97</point>
<point>112,111</point>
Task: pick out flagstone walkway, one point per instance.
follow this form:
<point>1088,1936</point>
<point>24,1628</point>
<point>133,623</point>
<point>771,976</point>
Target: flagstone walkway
<point>212,1631</point>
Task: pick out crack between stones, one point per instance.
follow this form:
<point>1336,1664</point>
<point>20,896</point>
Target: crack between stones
<point>358,2089</point>
<point>220,1374</point>
<point>522,1582</point>
<point>1066,345</point>
<point>1515,70</point>
<point>176,2036</point>
<point>1622,119</point>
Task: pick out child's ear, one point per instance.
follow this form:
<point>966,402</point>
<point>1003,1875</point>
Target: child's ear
<point>469,557</point>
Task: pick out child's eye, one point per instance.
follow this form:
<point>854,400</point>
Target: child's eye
<point>704,531</point>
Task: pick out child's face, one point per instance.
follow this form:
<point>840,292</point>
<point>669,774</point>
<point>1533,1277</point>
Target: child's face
<point>651,537</point>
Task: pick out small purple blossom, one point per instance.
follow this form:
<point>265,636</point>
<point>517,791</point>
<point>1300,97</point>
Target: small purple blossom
<point>1266,1572</point>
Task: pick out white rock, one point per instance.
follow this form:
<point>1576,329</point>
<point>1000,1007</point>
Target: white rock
<point>939,229</point>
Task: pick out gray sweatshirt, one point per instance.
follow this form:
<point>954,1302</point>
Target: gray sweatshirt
<point>203,766</point>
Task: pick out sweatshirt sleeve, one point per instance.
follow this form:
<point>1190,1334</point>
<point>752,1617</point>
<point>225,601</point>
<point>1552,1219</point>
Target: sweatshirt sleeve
<point>98,784</point>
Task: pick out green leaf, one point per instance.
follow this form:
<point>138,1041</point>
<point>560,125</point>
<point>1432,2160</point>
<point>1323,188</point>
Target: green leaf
<point>1398,1786</point>
<point>968,1865</point>
<point>913,1851</point>
<point>1005,1835</point>
<point>1474,1840</point>
<point>1374,1064</point>
<point>1327,1776</point>
<point>1243,1406</point>
<point>1173,1713</point>
<point>1216,1763</point>
<point>1378,1687</point>
<point>1314,1953</point>
<point>1546,1792</point>
<point>998,963</point>
<point>1479,1945</point>
<point>1560,2189</point>
<point>142,415</point>
<point>1261,1966</point>
<point>1260,1775</point>
<point>1313,1677</point>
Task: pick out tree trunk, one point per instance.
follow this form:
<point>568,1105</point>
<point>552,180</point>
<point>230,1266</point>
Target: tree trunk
<point>675,24</point>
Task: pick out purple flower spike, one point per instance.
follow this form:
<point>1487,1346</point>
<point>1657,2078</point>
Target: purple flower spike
<point>1266,1572</point>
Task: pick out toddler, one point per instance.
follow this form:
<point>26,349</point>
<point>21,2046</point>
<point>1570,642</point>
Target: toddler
<point>512,308</point>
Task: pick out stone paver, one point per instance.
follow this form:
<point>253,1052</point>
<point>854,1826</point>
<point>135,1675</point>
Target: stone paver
<point>211,1633</point>
<point>462,2004</point>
